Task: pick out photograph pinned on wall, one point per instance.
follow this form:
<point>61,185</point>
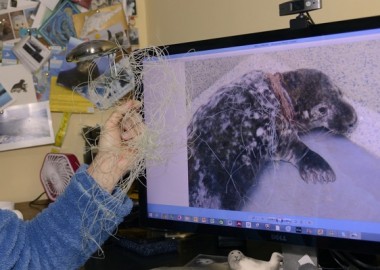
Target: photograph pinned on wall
<point>13,19</point>
<point>6,32</point>
<point>116,33</point>
<point>131,7</point>
<point>19,21</point>
<point>90,22</point>
<point>19,81</point>
<point>57,58</point>
<point>8,56</point>
<point>6,98</point>
<point>133,33</point>
<point>27,125</point>
<point>31,52</point>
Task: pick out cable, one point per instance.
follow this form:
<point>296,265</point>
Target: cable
<point>337,257</point>
<point>34,203</point>
<point>349,261</point>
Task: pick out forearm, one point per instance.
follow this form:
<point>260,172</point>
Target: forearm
<point>72,228</point>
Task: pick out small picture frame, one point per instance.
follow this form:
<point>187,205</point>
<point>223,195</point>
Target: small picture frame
<point>31,52</point>
<point>6,98</point>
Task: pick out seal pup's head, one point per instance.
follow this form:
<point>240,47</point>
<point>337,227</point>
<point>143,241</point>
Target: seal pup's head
<point>318,102</point>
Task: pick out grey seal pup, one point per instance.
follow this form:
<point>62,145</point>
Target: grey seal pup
<point>255,119</point>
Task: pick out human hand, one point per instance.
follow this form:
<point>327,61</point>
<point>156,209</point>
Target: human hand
<point>118,145</point>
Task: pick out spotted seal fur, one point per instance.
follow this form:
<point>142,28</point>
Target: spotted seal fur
<point>255,119</point>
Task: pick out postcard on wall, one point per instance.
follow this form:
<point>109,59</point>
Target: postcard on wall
<point>19,81</point>
<point>58,28</point>
<point>26,125</point>
<point>116,33</point>
<point>87,23</point>
<point>8,56</point>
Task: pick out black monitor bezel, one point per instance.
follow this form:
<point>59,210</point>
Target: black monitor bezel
<point>320,242</point>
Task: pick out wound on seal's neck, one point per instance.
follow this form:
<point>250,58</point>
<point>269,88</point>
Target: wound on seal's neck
<point>281,95</point>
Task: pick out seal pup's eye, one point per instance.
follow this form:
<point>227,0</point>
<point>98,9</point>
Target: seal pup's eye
<point>323,110</point>
<point>319,111</point>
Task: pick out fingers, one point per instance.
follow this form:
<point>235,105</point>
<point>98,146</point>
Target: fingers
<point>131,104</point>
<point>132,127</point>
<point>117,115</point>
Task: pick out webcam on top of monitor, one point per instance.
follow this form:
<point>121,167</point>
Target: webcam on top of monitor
<point>301,7</point>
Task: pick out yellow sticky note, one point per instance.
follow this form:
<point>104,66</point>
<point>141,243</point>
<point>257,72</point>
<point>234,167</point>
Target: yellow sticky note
<point>63,99</point>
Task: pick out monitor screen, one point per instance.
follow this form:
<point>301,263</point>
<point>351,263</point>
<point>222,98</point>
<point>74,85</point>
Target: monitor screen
<point>272,135</point>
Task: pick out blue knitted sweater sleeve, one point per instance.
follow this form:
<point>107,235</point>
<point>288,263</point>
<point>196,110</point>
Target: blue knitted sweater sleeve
<point>65,234</point>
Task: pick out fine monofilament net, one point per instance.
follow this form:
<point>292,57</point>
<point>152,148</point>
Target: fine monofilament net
<point>150,146</point>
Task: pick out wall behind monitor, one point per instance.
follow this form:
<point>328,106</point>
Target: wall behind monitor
<point>176,21</point>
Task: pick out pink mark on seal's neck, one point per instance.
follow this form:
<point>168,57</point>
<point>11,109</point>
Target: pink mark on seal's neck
<point>281,95</point>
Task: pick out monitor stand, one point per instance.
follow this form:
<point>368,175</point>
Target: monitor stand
<point>296,256</point>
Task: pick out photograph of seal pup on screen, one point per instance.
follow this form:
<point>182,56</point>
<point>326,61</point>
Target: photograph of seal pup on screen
<point>292,123</point>
<point>258,118</point>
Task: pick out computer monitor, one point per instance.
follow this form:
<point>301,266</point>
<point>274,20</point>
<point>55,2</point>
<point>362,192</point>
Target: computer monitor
<point>272,135</point>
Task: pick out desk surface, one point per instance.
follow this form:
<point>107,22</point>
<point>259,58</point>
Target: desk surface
<point>117,257</point>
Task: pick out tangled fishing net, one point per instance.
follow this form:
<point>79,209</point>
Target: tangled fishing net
<point>121,81</point>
